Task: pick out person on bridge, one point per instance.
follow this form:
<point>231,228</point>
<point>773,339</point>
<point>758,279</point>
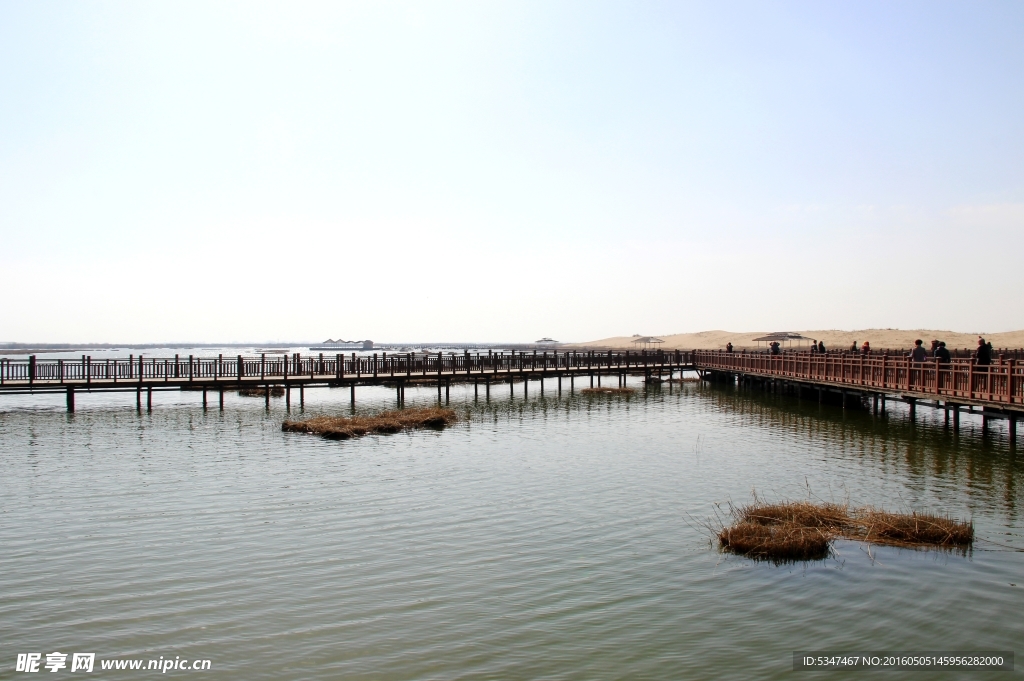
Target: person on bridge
<point>865,349</point>
<point>814,346</point>
<point>728,347</point>
<point>853,347</point>
<point>821,346</point>
<point>984,352</point>
<point>942,354</point>
<point>775,347</point>
<point>918,354</point>
<point>935,346</point>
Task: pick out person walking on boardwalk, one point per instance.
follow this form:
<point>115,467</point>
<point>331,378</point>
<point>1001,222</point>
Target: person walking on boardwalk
<point>775,347</point>
<point>984,352</point>
<point>942,354</point>
<point>865,349</point>
<point>728,347</point>
<point>821,346</point>
<point>918,354</point>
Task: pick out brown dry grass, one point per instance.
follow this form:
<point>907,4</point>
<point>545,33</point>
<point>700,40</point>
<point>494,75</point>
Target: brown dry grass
<point>800,513</point>
<point>275,391</point>
<point>915,528</point>
<point>343,428</point>
<point>776,542</point>
<point>803,530</point>
<point>608,391</point>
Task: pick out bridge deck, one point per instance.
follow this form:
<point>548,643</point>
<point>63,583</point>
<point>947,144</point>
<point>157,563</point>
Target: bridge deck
<point>33,375</point>
<point>962,381</point>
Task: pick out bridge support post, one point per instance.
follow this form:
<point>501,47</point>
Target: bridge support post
<point>288,397</point>
<point>487,389</point>
<point>511,386</point>
<point>266,395</point>
<point>599,379</point>
<point>591,379</point>
<point>149,399</point>
<point>221,397</point>
<point>439,391</point>
<point>1012,426</point>
<point>302,397</point>
<point>447,390</point>
<point>956,418</point>
<point>352,396</point>
<point>945,415</point>
<point>138,400</point>
<point>71,399</point>
<point>913,409</point>
<point>398,394</point>
<point>559,384</point>
<point>526,387</point>
<point>204,399</point>
<point>476,389</point>
<point>874,405</point>
<point>572,383</point>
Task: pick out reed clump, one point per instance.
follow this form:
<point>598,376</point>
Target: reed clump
<point>608,391</point>
<point>804,530</point>
<point>344,428</point>
<point>275,391</point>
<point>915,528</point>
<point>776,542</point>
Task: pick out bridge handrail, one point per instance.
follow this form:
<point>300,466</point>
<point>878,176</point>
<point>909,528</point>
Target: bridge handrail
<point>1001,382</point>
<point>319,366</point>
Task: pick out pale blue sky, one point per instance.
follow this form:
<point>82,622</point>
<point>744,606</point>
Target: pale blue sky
<point>505,171</point>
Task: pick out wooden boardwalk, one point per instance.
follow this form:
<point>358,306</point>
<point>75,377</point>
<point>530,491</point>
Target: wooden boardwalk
<point>222,373</point>
<point>997,388</point>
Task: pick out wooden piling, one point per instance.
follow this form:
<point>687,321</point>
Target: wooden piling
<point>956,418</point>
<point>138,400</point>
<point>149,399</point>
<point>220,399</point>
<point>71,399</point>
<point>302,397</point>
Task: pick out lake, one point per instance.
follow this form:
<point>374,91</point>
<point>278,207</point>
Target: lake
<point>556,537</point>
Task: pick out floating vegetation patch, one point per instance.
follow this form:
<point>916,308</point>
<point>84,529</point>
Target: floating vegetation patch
<point>260,391</point>
<point>803,530</point>
<point>608,391</point>
<point>915,528</point>
<point>343,428</point>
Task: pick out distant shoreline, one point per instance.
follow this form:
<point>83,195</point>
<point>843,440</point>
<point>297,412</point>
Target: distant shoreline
<point>880,339</point>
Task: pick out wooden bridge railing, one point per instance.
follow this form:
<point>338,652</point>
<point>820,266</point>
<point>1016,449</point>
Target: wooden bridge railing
<point>320,367</point>
<point>1001,383</point>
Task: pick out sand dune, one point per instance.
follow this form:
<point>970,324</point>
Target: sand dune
<point>833,338</point>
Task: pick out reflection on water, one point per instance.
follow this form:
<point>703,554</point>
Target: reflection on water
<point>548,537</point>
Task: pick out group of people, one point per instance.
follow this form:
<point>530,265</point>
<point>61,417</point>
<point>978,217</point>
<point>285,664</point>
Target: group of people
<point>983,355</point>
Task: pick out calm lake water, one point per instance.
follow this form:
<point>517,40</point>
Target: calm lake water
<point>557,537</point>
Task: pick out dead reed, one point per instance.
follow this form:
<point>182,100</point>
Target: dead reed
<point>343,428</point>
<point>608,391</point>
<point>275,391</point>
<point>776,542</point>
<point>804,530</point>
<point>915,529</point>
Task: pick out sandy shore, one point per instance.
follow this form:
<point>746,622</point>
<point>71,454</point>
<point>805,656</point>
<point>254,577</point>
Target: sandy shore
<point>834,339</point>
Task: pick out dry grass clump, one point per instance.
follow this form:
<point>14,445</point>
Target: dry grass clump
<point>776,542</point>
<point>343,428</point>
<point>800,513</point>
<point>804,530</point>
<point>608,391</point>
<point>915,528</point>
<point>275,391</point>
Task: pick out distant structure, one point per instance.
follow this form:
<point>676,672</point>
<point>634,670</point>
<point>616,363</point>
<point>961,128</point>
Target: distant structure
<point>335,345</point>
<point>784,338</point>
<point>545,341</point>
<point>646,342</point>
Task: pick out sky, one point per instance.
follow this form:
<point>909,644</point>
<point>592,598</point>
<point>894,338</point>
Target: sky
<point>502,171</point>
